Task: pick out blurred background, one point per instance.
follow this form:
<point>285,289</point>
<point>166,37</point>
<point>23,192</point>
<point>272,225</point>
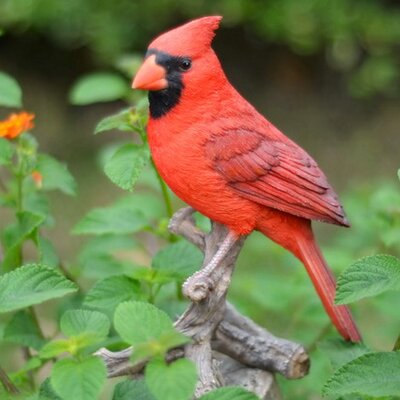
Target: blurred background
<point>326,72</point>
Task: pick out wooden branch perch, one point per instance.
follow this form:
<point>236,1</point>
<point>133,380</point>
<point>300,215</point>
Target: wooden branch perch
<point>227,348</point>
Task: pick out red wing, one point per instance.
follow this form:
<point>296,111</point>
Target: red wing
<point>276,174</point>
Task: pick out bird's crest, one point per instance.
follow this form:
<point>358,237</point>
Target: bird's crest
<point>191,39</point>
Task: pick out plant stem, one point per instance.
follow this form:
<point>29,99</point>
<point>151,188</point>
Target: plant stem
<point>7,383</point>
<point>36,321</point>
<point>396,346</point>
<point>164,190</point>
<point>70,276</point>
<point>326,329</point>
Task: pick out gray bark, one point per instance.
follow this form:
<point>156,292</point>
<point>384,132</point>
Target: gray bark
<point>227,348</point>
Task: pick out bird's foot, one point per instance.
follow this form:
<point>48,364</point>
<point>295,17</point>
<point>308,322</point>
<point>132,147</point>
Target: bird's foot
<point>198,286</point>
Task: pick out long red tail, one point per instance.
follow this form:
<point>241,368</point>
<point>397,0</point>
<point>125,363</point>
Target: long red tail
<point>324,283</point>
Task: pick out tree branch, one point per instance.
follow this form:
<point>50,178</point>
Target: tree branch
<point>227,348</point>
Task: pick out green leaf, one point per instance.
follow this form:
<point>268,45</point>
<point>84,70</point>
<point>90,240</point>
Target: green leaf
<point>373,374</point>
<point>178,259</point>
<point>6,151</point>
<point>138,322</point>
<point>114,219</point>
<point>341,352</point>
<point>120,121</point>
<point>47,252</point>
<point>55,175</point>
<point>23,330</point>
<point>126,164</point>
<point>75,322</point>
<point>14,235</point>
<point>104,265</point>
<point>46,392</point>
<point>229,393</point>
<point>98,87</point>
<point>88,341</point>
<point>10,91</point>
<point>79,379</point>
<point>368,277</point>
<point>107,293</point>
<point>55,348</point>
<point>175,381</point>
<point>132,389</point>
<point>32,284</point>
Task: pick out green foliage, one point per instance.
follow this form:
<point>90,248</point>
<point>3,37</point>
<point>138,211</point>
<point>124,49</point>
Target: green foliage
<point>75,322</point>
<point>126,165</point>
<point>368,277</point>
<point>6,151</point>
<point>108,293</point>
<point>358,39</point>
<point>79,379</point>
<point>98,87</point>
<point>115,219</point>
<point>229,393</point>
<point>340,352</point>
<point>130,270</point>
<point>32,284</point>
<point>177,260</point>
<point>10,92</point>
<point>147,328</point>
<point>55,175</point>
<point>22,329</point>
<point>130,389</point>
<point>121,121</point>
<point>373,374</point>
<point>175,381</point>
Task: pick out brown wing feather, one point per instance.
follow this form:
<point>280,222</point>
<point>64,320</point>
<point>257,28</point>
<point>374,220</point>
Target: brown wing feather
<point>274,173</point>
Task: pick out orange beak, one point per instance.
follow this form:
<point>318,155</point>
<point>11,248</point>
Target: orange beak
<point>150,76</point>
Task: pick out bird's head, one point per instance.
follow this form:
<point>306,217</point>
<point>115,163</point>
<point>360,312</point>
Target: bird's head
<point>180,58</point>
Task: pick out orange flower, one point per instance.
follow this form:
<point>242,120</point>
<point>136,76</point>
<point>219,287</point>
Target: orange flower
<point>37,178</point>
<point>15,124</point>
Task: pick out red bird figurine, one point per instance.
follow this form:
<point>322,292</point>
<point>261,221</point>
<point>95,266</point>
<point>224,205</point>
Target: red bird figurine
<point>223,158</point>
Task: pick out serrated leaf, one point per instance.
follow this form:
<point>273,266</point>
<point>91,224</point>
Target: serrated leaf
<point>120,121</point>
<point>32,284</point>
<point>178,259</point>
<point>368,277</point>
<point>83,379</point>
<point>132,389</point>
<point>229,393</point>
<point>98,87</point>
<point>126,164</point>
<point>175,381</point>
<point>341,352</point>
<point>114,219</point>
<point>107,293</point>
<point>23,330</point>
<point>139,322</point>
<point>55,175</point>
<point>6,151</point>
<point>10,91</point>
<point>47,252</point>
<point>373,374</point>
<point>75,322</point>
<point>46,391</point>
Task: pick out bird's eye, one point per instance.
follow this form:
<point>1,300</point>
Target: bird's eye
<point>185,64</point>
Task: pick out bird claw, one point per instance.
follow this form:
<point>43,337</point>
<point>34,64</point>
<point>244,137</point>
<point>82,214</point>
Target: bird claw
<point>198,286</point>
